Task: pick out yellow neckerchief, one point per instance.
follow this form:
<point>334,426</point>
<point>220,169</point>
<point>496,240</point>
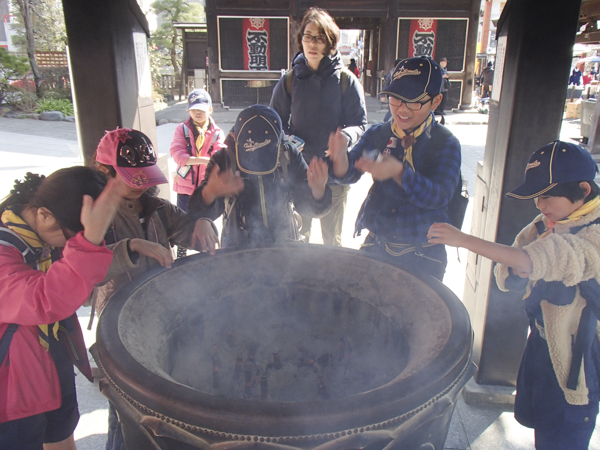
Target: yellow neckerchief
<point>584,209</point>
<point>201,133</point>
<point>14,223</point>
<point>410,139</point>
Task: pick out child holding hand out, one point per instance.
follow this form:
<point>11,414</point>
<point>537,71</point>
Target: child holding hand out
<point>558,257</point>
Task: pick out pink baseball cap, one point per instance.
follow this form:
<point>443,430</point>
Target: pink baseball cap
<point>132,155</point>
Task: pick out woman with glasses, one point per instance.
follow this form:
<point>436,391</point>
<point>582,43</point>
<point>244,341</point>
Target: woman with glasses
<point>316,98</point>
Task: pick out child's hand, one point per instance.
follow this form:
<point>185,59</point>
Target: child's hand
<point>204,233</point>
<point>221,185</point>
<point>152,250</point>
<point>388,167</point>
<point>317,175</point>
<point>337,146</point>
<point>444,233</point>
<point>96,216</point>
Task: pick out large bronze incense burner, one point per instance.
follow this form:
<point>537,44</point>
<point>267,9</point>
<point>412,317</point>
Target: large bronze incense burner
<point>290,347</point>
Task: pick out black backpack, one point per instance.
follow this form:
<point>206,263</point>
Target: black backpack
<point>457,206</point>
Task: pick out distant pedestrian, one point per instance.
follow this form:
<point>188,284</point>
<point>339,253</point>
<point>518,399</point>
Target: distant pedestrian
<point>353,68</point>
<point>575,78</point>
<point>487,80</point>
<point>439,111</point>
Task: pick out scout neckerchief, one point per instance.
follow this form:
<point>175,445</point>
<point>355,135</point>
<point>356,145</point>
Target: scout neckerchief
<point>409,139</point>
<point>18,225</point>
<point>577,214</point>
<point>201,134</point>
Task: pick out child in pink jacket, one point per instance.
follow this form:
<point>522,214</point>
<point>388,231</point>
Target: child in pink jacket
<point>52,253</point>
<point>194,142</point>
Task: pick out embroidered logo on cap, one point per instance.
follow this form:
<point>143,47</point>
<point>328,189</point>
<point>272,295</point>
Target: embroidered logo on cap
<point>531,165</point>
<point>195,97</point>
<point>250,145</point>
<point>139,178</point>
<point>404,71</point>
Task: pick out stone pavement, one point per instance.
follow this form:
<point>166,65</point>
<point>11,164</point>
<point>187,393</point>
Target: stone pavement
<point>28,145</point>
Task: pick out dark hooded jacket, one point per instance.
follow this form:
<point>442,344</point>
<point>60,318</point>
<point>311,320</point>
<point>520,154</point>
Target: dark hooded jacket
<point>262,212</point>
<point>318,107</point>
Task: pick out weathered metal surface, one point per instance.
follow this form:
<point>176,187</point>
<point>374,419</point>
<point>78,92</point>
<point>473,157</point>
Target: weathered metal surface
<point>369,354</point>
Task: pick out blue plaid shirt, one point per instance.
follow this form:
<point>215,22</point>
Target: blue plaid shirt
<point>403,214</point>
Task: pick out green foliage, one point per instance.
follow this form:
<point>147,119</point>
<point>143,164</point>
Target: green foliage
<point>55,104</point>
<point>48,23</point>
<point>165,38</point>
<point>12,66</point>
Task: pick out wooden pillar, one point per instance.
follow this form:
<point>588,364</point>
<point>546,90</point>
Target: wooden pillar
<point>389,38</point>
<point>295,18</point>
<point>214,81</point>
<point>367,80</point>
<point>526,113</point>
<point>374,62</point>
<point>485,27</point>
<point>107,45</point>
<point>470,55</point>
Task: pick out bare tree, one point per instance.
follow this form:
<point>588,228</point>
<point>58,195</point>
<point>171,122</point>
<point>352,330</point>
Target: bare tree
<point>26,10</point>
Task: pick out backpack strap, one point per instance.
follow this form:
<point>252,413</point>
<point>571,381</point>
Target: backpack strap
<point>289,78</point>
<point>186,134</point>
<point>5,341</point>
<point>344,80</point>
<point>12,239</point>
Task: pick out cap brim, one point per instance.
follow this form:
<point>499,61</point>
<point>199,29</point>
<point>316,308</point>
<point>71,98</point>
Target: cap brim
<point>405,95</point>
<point>200,106</point>
<point>142,177</point>
<point>527,191</point>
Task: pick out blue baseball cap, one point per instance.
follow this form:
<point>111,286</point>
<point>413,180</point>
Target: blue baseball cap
<point>555,163</point>
<point>199,99</point>
<point>415,78</point>
<point>258,134</point>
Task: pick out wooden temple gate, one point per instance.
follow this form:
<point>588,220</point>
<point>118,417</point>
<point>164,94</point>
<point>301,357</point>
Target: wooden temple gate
<point>249,45</point>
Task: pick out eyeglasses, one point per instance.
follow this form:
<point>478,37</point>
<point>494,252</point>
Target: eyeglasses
<point>413,106</point>
<point>320,39</point>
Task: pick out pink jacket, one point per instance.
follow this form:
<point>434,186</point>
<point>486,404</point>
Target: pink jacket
<point>28,297</point>
<point>180,154</point>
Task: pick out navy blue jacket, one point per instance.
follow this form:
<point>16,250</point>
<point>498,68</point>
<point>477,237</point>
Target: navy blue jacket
<point>316,107</point>
<point>403,214</point>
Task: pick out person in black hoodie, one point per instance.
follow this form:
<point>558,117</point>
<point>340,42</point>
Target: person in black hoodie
<point>257,181</point>
<point>322,98</point>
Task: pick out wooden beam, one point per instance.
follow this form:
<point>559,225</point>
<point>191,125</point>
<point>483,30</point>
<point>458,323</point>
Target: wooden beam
<point>588,38</point>
<point>589,10</point>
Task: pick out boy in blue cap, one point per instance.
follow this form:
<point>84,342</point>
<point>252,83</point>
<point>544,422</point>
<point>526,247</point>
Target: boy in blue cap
<point>557,258</point>
<point>415,164</point>
<point>258,180</point>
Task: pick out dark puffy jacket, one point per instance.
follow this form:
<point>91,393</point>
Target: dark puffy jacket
<point>316,107</point>
<point>262,212</point>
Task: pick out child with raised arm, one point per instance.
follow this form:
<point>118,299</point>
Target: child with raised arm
<point>52,253</point>
<point>557,259</point>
